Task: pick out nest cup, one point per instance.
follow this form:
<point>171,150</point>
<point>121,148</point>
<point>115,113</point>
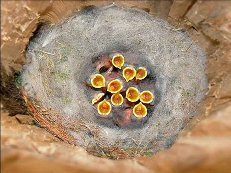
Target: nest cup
<point>176,76</point>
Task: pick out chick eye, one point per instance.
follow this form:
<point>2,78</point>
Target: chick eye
<point>130,78</point>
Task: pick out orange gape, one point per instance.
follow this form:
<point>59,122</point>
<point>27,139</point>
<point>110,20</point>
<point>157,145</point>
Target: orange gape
<point>98,81</point>
<point>104,108</point>
<point>129,73</point>
<point>118,61</point>
<point>112,89</point>
<point>132,94</point>
<point>117,99</point>
<point>141,73</point>
<point>114,86</point>
<point>140,110</point>
<point>146,97</point>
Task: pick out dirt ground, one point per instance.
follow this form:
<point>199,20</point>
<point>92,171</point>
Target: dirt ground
<point>203,146</point>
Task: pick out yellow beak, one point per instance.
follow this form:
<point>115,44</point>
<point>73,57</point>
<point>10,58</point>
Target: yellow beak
<point>115,86</point>
<point>98,81</point>
<point>129,73</point>
<point>132,94</point>
<point>117,99</point>
<point>118,61</point>
<point>104,108</point>
<point>140,110</point>
<point>146,97</point>
<point>141,73</point>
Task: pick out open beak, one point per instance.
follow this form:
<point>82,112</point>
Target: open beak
<point>129,73</point>
<point>146,97</point>
<point>132,94</point>
<point>98,81</point>
<point>141,73</point>
<point>117,99</point>
<point>114,86</point>
<point>118,61</point>
<point>104,108</point>
<point>140,110</point>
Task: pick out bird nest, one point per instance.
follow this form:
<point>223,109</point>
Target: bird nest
<point>114,80</point>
